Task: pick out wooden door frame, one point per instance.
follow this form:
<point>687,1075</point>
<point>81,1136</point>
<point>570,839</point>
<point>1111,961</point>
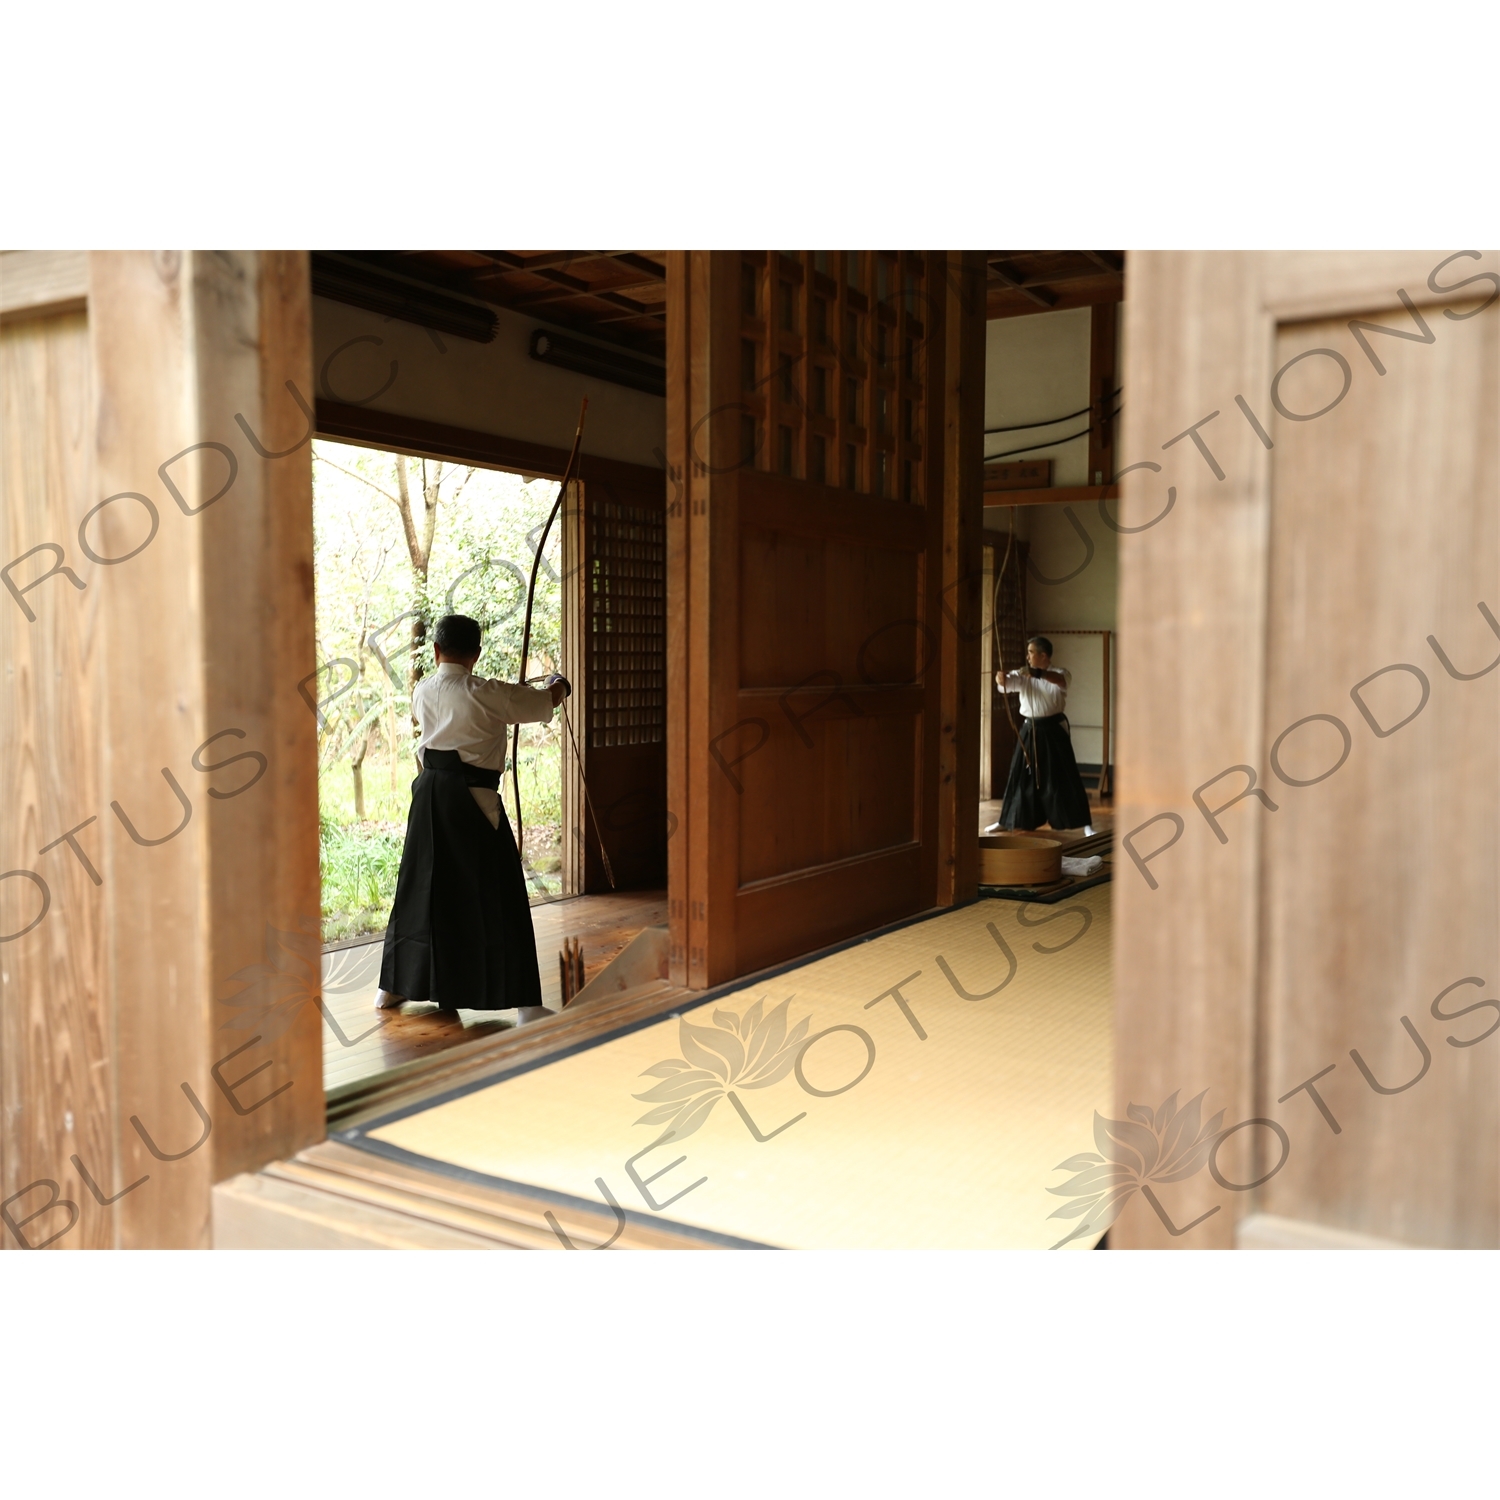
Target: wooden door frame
<point>418,438</point>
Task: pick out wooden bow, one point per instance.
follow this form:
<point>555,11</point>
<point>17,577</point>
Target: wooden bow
<point>1010,550</point>
<point>569,474</point>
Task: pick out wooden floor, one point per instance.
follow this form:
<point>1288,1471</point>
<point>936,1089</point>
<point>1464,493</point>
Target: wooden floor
<point>360,1043</point>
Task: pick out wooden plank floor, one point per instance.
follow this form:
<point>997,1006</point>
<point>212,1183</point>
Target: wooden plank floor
<point>360,1043</point>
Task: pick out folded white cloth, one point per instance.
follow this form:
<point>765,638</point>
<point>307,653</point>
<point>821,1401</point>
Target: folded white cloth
<point>1085,866</point>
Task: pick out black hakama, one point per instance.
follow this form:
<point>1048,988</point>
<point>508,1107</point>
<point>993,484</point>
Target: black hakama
<point>1051,793</point>
<point>460,931</point>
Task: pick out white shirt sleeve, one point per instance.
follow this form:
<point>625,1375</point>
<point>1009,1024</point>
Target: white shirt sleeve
<point>514,702</point>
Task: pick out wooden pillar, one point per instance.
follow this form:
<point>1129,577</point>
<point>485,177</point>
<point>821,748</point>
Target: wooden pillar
<point>679,595</point>
<point>703,438</point>
<point>960,558</point>
<point>173,738</point>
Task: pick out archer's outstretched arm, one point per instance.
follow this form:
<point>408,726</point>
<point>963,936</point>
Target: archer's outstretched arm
<point>517,703</point>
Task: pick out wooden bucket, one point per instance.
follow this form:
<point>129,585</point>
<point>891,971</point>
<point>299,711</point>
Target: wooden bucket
<point>1019,859</point>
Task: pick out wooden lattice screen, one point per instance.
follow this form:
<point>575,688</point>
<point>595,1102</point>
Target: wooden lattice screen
<point>627,624</point>
<point>615,601</point>
<point>831,367</point>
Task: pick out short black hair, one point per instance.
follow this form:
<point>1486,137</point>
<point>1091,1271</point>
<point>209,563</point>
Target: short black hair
<point>1036,640</point>
<point>457,635</point>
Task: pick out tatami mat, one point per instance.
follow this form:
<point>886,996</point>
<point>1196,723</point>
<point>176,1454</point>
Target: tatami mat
<point>947,1140</point>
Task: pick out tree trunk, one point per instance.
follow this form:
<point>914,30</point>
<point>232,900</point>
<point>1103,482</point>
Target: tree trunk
<point>358,767</point>
<point>419,551</point>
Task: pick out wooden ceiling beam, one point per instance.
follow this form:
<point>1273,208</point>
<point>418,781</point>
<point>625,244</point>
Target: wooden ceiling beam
<point>634,261</point>
<point>658,316</point>
<point>1083,273</point>
<point>640,340</point>
<point>570,283</point>
<point>547,261</point>
<point>1004,302</point>
<point>1038,294</point>
<point>546,299</point>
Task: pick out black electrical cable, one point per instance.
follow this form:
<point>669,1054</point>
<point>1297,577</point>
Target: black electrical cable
<point>1053,442</point>
<point>1051,421</point>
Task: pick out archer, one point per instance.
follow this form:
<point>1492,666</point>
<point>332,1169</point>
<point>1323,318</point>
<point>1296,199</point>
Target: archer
<point>460,931</point>
<point>1044,784</point>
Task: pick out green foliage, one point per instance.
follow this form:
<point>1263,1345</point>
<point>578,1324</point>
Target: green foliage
<point>366,582</point>
<point>359,863</point>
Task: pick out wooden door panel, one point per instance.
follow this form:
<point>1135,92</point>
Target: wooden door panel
<point>627,787</point>
<point>1310,555</point>
<point>822,906</point>
<point>824,414</point>
<point>55,1005</point>
<point>1380,884</point>
<point>815,608</point>
<point>849,792</point>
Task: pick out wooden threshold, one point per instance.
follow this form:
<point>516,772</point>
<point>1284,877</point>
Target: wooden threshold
<point>427,1077</point>
<point>335,1197</point>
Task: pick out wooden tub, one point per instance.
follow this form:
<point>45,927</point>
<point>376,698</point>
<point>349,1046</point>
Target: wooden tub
<point>1019,859</point>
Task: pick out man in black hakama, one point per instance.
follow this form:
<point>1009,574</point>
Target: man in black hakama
<point>1044,785</point>
<point>460,931</point>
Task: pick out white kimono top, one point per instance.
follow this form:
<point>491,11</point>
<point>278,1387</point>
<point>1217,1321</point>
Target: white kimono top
<point>455,710</point>
<point>1039,698</point>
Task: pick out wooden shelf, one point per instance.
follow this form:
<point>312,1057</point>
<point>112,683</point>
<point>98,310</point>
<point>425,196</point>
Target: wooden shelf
<point>1072,494</point>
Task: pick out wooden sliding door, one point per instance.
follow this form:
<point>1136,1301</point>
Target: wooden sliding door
<point>1310,740</point>
<point>824,418</point>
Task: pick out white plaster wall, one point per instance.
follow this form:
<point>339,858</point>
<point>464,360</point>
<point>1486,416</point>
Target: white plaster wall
<point>1084,602</point>
<point>1037,368</point>
<point>496,387</point>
